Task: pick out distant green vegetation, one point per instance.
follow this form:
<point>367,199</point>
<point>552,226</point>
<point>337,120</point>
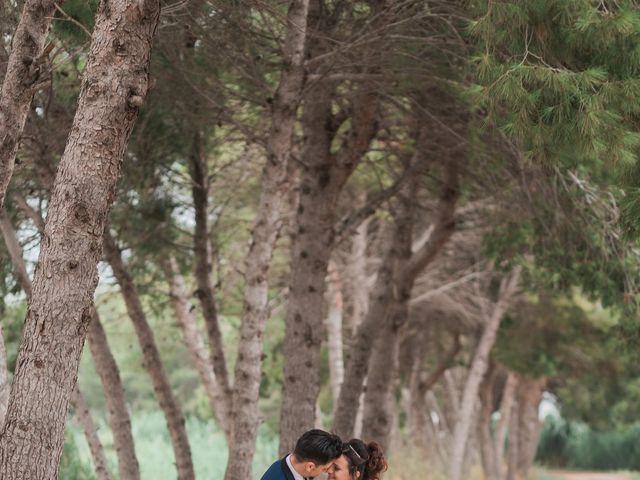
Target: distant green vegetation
<point>574,445</point>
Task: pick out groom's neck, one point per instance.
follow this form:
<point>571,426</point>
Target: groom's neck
<point>297,465</point>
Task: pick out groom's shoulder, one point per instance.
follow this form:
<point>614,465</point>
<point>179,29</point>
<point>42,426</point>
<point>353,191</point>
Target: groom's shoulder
<point>275,472</point>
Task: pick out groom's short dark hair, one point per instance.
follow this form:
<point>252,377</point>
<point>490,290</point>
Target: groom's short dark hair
<point>318,446</point>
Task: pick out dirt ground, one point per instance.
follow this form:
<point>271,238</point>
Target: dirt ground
<point>588,475</point>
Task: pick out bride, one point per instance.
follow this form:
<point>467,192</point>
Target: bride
<point>359,461</point>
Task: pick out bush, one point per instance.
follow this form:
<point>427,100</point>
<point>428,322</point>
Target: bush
<point>575,445</point>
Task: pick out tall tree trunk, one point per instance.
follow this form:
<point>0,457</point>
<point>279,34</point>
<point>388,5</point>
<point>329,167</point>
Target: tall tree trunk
<point>195,343</point>
<point>407,267</point>
<point>381,302</point>
<point>25,69</point>
<point>477,372</point>
<point>118,413</point>
<point>506,408</point>
<point>377,420</point>
<point>204,292</point>
<point>245,416</point>
<point>151,359</point>
<point>322,178</point>
<point>91,433</point>
<point>65,280</point>
<point>529,426</point>
<point>106,367</point>
<point>334,331</point>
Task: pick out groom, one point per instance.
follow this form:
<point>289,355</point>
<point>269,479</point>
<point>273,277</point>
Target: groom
<point>313,455</point>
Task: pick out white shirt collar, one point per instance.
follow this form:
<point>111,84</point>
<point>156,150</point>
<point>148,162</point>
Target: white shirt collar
<point>296,475</point>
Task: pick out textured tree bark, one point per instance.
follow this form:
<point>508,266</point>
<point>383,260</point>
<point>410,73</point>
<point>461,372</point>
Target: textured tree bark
<point>25,70</point>
<point>334,331</point>
<point>195,344</point>
<point>113,88</point>
<point>91,433</point>
<point>322,178</point>
<point>105,365</point>
<point>151,359</point>
<point>118,413</point>
<point>477,372</point>
<point>245,416</point>
<point>204,292</point>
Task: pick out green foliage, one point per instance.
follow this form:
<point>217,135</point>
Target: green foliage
<point>575,445</point>
<point>76,13</point>
<point>560,76</point>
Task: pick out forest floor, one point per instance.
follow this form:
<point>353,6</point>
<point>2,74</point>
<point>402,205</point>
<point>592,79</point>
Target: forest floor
<point>572,475</point>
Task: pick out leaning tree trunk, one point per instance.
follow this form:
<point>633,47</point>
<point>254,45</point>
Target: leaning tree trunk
<point>204,292</point>
<point>407,267</point>
<point>103,358</point>
<point>118,413</point>
<point>245,416</point>
<point>114,86</point>
<point>25,70</point>
<point>378,399</point>
<point>362,341</point>
<point>91,433</point>
<point>151,359</point>
<point>195,344</point>
<point>477,372</point>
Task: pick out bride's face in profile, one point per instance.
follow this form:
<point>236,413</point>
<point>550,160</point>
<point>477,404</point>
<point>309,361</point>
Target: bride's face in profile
<point>341,470</point>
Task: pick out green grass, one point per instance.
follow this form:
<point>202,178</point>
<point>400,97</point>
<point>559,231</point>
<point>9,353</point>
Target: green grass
<point>153,448</point>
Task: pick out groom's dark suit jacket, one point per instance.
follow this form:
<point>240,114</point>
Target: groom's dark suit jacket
<point>278,471</point>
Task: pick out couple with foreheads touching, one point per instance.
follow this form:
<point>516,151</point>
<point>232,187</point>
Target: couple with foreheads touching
<point>322,455</point>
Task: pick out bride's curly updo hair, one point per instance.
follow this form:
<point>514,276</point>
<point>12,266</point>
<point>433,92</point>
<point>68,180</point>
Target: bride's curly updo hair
<point>366,460</point>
